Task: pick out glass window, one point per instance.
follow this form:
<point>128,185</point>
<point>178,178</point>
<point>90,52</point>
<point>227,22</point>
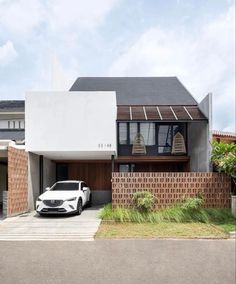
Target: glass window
<point>133,130</point>
<point>164,138</point>
<point>148,132</point>
<point>65,186</point>
<point>124,168</point>
<point>123,133</point>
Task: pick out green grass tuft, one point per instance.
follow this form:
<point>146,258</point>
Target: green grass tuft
<point>177,214</point>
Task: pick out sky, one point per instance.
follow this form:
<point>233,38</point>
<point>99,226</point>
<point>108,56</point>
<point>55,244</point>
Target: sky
<point>193,40</point>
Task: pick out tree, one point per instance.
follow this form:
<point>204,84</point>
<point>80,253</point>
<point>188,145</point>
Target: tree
<point>224,158</point>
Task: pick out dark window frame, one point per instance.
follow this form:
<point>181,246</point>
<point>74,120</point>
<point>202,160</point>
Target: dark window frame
<point>184,125</point>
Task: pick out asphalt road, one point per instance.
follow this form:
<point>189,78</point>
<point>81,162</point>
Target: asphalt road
<point>118,261</point>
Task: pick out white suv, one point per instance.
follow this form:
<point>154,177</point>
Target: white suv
<point>64,197</point>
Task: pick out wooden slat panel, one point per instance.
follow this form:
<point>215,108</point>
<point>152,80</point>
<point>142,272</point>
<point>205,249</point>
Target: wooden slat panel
<point>152,113</point>
<point>181,113</point>
<point>138,113</point>
<point>166,113</point>
<point>195,113</point>
<point>96,175</point>
<point>123,113</point>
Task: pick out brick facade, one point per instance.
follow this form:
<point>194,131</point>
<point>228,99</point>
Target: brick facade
<point>169,188</point>
<point>17,181</point>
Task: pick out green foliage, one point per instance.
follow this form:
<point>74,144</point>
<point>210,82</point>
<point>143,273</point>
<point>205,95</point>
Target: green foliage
<point>224,158</point>
<point>177,214</point>
<point>143,201</point>
<point>192,203</point>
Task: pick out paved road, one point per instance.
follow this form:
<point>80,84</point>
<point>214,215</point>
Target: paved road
<point>31,226</point>
<point>118,261</point>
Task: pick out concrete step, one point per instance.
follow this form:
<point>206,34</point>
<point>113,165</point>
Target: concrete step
<point>22,237</point>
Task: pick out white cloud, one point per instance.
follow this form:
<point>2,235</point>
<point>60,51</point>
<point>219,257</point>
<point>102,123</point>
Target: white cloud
<point>78,14</point>
<point>22,17</point>
<point>7,53</point>
<point>204,61</point>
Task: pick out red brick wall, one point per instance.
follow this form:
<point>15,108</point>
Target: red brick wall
<point>17,181</point>
<point>169,188</point>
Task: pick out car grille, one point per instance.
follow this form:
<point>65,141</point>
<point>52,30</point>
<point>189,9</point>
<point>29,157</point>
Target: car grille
<point>53,203</point>
<point>53,210</point>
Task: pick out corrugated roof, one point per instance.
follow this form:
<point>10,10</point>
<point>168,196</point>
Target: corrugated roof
<point>12,106</point>
<point>159,113</point>
<point>12,134</point>
<point>139,90</point>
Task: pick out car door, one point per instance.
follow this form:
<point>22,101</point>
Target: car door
<point>85,192</point>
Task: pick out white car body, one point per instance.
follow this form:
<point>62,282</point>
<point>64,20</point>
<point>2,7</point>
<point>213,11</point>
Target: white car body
<point>64,197</point>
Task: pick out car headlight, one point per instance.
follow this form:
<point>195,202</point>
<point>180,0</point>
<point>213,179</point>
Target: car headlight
<point>39,199</point>
<point>71,199</point>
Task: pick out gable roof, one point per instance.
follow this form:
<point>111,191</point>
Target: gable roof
<point>139,90</point>
<point>12,106</point>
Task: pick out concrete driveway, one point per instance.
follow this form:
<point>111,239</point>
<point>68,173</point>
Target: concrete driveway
<point>31,226</point>
<point>119,261</point>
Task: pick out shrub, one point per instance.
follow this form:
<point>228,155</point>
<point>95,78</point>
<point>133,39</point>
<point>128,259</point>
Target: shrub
<point>224,159</point>
<point>143,201</point>
<point>192,203</point>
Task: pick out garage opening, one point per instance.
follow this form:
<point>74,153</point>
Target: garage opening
<point>97,174</point>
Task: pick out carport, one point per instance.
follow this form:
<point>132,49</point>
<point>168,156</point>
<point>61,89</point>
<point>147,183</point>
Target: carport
<point>77,140</point>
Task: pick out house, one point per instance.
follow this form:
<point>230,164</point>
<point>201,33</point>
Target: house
<point>12,126</point>
<point>12,120</point>
<point>225,137</point>
<point>114,124</point>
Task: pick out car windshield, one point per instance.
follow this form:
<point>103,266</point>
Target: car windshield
<point>66,186</point>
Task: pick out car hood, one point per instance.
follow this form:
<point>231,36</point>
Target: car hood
<point>60,194</point>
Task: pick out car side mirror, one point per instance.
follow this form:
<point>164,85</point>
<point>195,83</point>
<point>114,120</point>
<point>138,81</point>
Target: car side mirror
<point>85,188</point>
<point>47,188</point>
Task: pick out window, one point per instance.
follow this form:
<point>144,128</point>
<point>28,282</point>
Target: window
<point>123,133</point>
<point>148,132</point>
<point>164,138</point>
<point>19,124</point>
<point>133,130</point>
<point>158,137</point>
<point>9,124</point>
<point>125,168</point>
<point>14,124</point>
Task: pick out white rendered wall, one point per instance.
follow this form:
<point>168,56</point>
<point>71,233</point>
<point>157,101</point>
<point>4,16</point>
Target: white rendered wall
<point>71,125</point>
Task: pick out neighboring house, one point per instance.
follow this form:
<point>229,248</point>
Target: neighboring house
<point>12,120</point>
<point>12,124</point>
<point>222,136</point>
<point>141,124</point>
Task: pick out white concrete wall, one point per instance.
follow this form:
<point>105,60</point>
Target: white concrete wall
<point>73,125</point>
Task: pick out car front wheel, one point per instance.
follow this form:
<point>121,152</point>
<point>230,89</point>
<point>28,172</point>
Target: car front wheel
<point>79,207</point>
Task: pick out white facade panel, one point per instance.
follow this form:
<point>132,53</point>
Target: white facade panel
<point>71,125</point>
